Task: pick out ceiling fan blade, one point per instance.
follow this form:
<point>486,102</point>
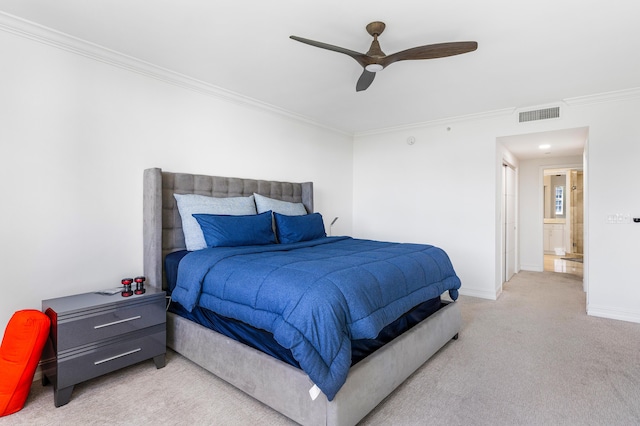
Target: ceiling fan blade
<point>360,57</point>
<point>365,80</point>
<point>431,51</point>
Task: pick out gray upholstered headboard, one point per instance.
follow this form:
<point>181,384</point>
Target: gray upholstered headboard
<point>162,226</point>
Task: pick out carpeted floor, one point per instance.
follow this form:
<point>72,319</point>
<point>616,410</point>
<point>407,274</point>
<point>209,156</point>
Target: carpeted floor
<point>531,358</point>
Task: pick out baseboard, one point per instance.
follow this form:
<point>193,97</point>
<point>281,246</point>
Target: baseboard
<point>613,313</point>
<point>483,294</point>
<point>37,376</point>
<point>532,268</point>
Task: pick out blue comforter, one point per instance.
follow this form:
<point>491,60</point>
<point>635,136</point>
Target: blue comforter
<point>316,296</point>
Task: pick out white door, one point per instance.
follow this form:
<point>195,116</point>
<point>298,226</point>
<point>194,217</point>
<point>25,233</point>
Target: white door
<point>509,222</point>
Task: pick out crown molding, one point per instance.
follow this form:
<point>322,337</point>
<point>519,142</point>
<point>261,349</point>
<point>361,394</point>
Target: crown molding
<point>438,122</point>
<point>32,31</point>
<point>619,95</point>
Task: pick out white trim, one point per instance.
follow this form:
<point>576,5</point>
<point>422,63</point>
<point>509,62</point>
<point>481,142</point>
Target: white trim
<point>32,31</point>
<point>575,101</point>
<point>482,294</point>
<point>438,122</point>
<point>532,268</point>
<point>618,95</point>
<point>614,313</point>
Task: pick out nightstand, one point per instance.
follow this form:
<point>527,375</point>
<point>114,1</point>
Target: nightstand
<point>93,334</point>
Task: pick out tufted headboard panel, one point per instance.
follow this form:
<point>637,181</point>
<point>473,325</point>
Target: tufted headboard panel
<point>162,226</point>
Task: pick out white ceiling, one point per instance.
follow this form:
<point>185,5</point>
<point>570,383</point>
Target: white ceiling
<point>530,53</point>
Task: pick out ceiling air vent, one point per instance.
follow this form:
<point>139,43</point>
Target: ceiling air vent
<point>539,114</point>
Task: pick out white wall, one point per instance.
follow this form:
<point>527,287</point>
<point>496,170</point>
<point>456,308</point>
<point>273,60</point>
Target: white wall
<point>444,190</point>
<point>613,173</point>
<point>440,191</point>
<point>76,135</point>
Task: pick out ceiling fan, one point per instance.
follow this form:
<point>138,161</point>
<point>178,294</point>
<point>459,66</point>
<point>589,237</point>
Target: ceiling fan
<point>376,60</point>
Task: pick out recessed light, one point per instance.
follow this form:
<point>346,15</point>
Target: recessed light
<point>545,146</point>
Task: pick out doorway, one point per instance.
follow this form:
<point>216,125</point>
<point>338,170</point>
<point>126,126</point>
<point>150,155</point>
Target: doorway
<point>532,153</point>
<point>563,220</point>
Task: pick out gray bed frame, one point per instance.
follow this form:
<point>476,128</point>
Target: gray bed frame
<point>273,382</point>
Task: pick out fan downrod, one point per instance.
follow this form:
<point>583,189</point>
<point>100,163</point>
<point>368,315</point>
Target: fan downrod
<point>375,28</point>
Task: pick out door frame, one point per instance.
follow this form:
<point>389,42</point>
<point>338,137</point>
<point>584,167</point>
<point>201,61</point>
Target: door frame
<point>509,257</point>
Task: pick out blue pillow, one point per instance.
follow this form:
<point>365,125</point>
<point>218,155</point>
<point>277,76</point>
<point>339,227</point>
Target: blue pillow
<point>233,231</point>
<point>292,229</point>
<point>189,204</point>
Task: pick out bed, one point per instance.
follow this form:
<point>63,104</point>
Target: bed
<point>276,383</point>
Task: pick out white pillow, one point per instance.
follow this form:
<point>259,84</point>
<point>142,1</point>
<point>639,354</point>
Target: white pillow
<point>264,204</point>
<point>190,204</point>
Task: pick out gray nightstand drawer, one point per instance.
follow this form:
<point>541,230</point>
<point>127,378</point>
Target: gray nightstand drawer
<point>109,323</point>
<point>93,334</point>
<point>92,361</point>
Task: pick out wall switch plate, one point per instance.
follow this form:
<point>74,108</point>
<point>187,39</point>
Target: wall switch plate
<point>619,218</point>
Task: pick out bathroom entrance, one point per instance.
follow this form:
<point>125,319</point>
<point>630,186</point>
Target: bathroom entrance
<point>563,220</point>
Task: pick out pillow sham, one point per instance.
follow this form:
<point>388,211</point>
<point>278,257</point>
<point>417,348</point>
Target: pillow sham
<point>293,229</point>
<point>234,231</point>
<point>188,204</point>
<point>264,204</point>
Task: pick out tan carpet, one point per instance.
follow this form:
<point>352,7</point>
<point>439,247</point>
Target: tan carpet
<point>531,358</point>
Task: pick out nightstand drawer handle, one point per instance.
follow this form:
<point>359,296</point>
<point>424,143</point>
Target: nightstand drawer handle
<point>117,356</point>
<point>116,322</point>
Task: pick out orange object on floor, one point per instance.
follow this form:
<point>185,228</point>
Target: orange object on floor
<point>22,345</point>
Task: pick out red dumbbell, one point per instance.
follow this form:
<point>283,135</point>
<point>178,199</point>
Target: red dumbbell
<point>139,285</point>
<point>126,282</point>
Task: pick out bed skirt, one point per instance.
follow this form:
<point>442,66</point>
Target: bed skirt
<point>286,389</point>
